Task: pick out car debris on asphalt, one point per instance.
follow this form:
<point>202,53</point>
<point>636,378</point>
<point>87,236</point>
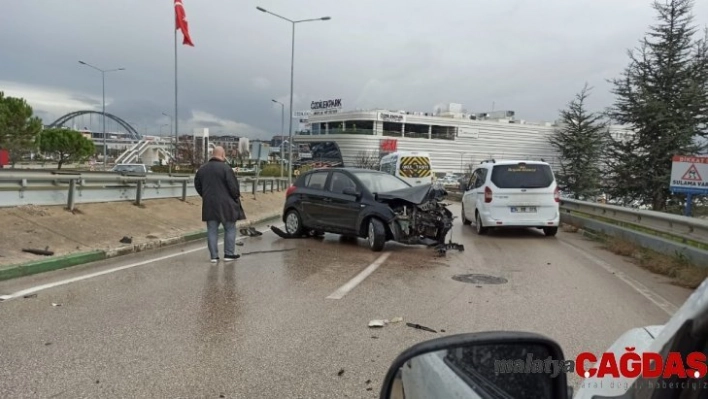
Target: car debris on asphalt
<point>250,232</point>
<point>419,327</point>
<point>45,251</point>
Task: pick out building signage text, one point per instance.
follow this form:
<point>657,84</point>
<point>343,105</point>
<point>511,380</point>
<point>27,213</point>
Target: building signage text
<point>398,118</point>
<point>326,111</point>
<point>301,114</point>
<point>326,104</point>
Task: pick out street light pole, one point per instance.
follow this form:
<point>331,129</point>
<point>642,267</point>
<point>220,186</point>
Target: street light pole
<point>103,85</point>
<point>282,128</point>
<point>292,74</point>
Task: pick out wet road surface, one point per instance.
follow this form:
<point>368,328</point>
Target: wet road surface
<point>171,324</point>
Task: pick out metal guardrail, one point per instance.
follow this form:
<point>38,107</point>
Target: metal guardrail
<point>70,188</point>
<point>684,227</point>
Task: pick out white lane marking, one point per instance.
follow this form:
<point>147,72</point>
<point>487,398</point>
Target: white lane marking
<point>645,291</point>
<point>343,290</point>
<point>32,290</point>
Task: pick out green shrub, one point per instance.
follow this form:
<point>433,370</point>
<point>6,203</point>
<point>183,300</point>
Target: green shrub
<point>273,171</point>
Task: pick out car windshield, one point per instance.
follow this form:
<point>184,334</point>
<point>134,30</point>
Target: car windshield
<point>377,182</point>
<point>522,175</point>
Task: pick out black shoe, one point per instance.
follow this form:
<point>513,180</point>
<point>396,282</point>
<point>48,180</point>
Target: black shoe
<point>229,258</point>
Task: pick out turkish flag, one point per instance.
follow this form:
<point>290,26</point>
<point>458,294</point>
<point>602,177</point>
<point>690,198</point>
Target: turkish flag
<point>181,22</point>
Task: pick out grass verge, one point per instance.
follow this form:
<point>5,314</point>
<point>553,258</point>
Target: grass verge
<point>678,268</point>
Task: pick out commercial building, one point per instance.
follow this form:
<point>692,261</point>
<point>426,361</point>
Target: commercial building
<point>453,138</point>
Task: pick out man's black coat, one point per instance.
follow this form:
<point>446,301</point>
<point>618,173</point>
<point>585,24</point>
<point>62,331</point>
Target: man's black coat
<point>216,183</point>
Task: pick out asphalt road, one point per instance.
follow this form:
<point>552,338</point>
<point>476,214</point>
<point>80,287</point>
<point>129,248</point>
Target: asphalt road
<point>171,324</point>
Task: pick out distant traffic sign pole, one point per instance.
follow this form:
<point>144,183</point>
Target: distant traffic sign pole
<point>688,173</point>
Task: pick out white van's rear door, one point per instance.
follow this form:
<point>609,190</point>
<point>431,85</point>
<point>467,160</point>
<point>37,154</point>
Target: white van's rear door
<point>523,191</point>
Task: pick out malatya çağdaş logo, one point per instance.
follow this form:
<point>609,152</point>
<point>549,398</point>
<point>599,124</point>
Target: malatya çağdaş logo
<point>629,365</point>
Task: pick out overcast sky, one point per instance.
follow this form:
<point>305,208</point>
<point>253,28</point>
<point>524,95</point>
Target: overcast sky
<point>528,56</point>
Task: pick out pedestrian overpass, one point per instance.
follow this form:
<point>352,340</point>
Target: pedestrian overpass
<point>149,151</point>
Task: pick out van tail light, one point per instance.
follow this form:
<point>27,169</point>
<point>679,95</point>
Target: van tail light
<point>487,195</point>
<point>290,190</point>
<point>556,195</point>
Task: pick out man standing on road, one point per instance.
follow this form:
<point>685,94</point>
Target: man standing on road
<point>218,186</point>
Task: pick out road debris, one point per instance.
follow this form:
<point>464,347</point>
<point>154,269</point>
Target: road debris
<point>340,372</point>
<point>282,234</point>
<point>56,304</point>
<point>30,296</point>
<point>443,248</point>
<point>250,232</point>
<point>419,327</point>
<point>377,323</point>
<point>126,240</point>
<point>45,251</point>
<point>397,319</point>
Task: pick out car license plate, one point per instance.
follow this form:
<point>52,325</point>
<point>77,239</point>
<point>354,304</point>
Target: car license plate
<point>523,209</point>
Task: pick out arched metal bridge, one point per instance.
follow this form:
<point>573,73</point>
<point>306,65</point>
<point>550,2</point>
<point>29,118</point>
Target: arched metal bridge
<point>131,130</point>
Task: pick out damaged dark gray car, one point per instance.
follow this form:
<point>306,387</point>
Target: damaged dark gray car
<point>367,204</point>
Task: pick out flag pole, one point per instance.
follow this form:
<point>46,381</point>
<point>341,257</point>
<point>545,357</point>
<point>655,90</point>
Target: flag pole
<point>176,118</point>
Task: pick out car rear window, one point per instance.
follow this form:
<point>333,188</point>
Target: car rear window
<point>522,176</point>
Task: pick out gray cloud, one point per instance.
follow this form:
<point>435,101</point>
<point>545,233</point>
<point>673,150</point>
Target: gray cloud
<point>208,124</point>
<point>399,54</point>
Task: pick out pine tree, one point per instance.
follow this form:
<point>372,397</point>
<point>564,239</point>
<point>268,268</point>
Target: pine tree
<point>663,95</point>
<point>580,142</point>
<point>18,128</point>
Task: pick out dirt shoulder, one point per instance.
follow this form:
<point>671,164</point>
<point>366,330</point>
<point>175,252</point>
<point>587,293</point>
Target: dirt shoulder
<point>101,226</point>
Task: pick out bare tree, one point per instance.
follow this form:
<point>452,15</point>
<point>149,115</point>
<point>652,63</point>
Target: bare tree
<point>367,160</point>
<point>187,153</point>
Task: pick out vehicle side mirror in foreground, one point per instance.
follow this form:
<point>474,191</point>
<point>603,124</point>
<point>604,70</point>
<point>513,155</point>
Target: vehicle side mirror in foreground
<point>351,191</point>
<point>479,365</point>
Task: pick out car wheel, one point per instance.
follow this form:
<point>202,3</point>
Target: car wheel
<point>481,230</point>
<point>376,236</point>
<point>550,231</point>
<point>465,221</point>
<point>293,223</point>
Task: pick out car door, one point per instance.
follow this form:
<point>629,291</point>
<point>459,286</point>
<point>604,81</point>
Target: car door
<point>472,193</point>
<point>467,196</point>
<point>315,199</point>
<point>341,211</point>
<point>478,190</point>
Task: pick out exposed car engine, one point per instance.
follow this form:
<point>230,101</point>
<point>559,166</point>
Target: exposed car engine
<point>430,220</point>
<point>427,222</point>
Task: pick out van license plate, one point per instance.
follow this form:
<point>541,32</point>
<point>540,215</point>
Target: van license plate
<point>523,209</point>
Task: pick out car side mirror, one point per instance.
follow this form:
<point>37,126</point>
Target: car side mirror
<point>351,191</point>
<point>480,365</point>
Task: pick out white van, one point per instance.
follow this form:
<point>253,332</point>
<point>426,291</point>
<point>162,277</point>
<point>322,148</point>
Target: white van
<point>412,166</point>
<point>512,194</point>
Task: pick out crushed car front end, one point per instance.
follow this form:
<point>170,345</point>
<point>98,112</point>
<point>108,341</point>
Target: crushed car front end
<point>421,218</point>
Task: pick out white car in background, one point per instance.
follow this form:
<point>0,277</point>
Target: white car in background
<point>131,168</point>
<point>514,194</point>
